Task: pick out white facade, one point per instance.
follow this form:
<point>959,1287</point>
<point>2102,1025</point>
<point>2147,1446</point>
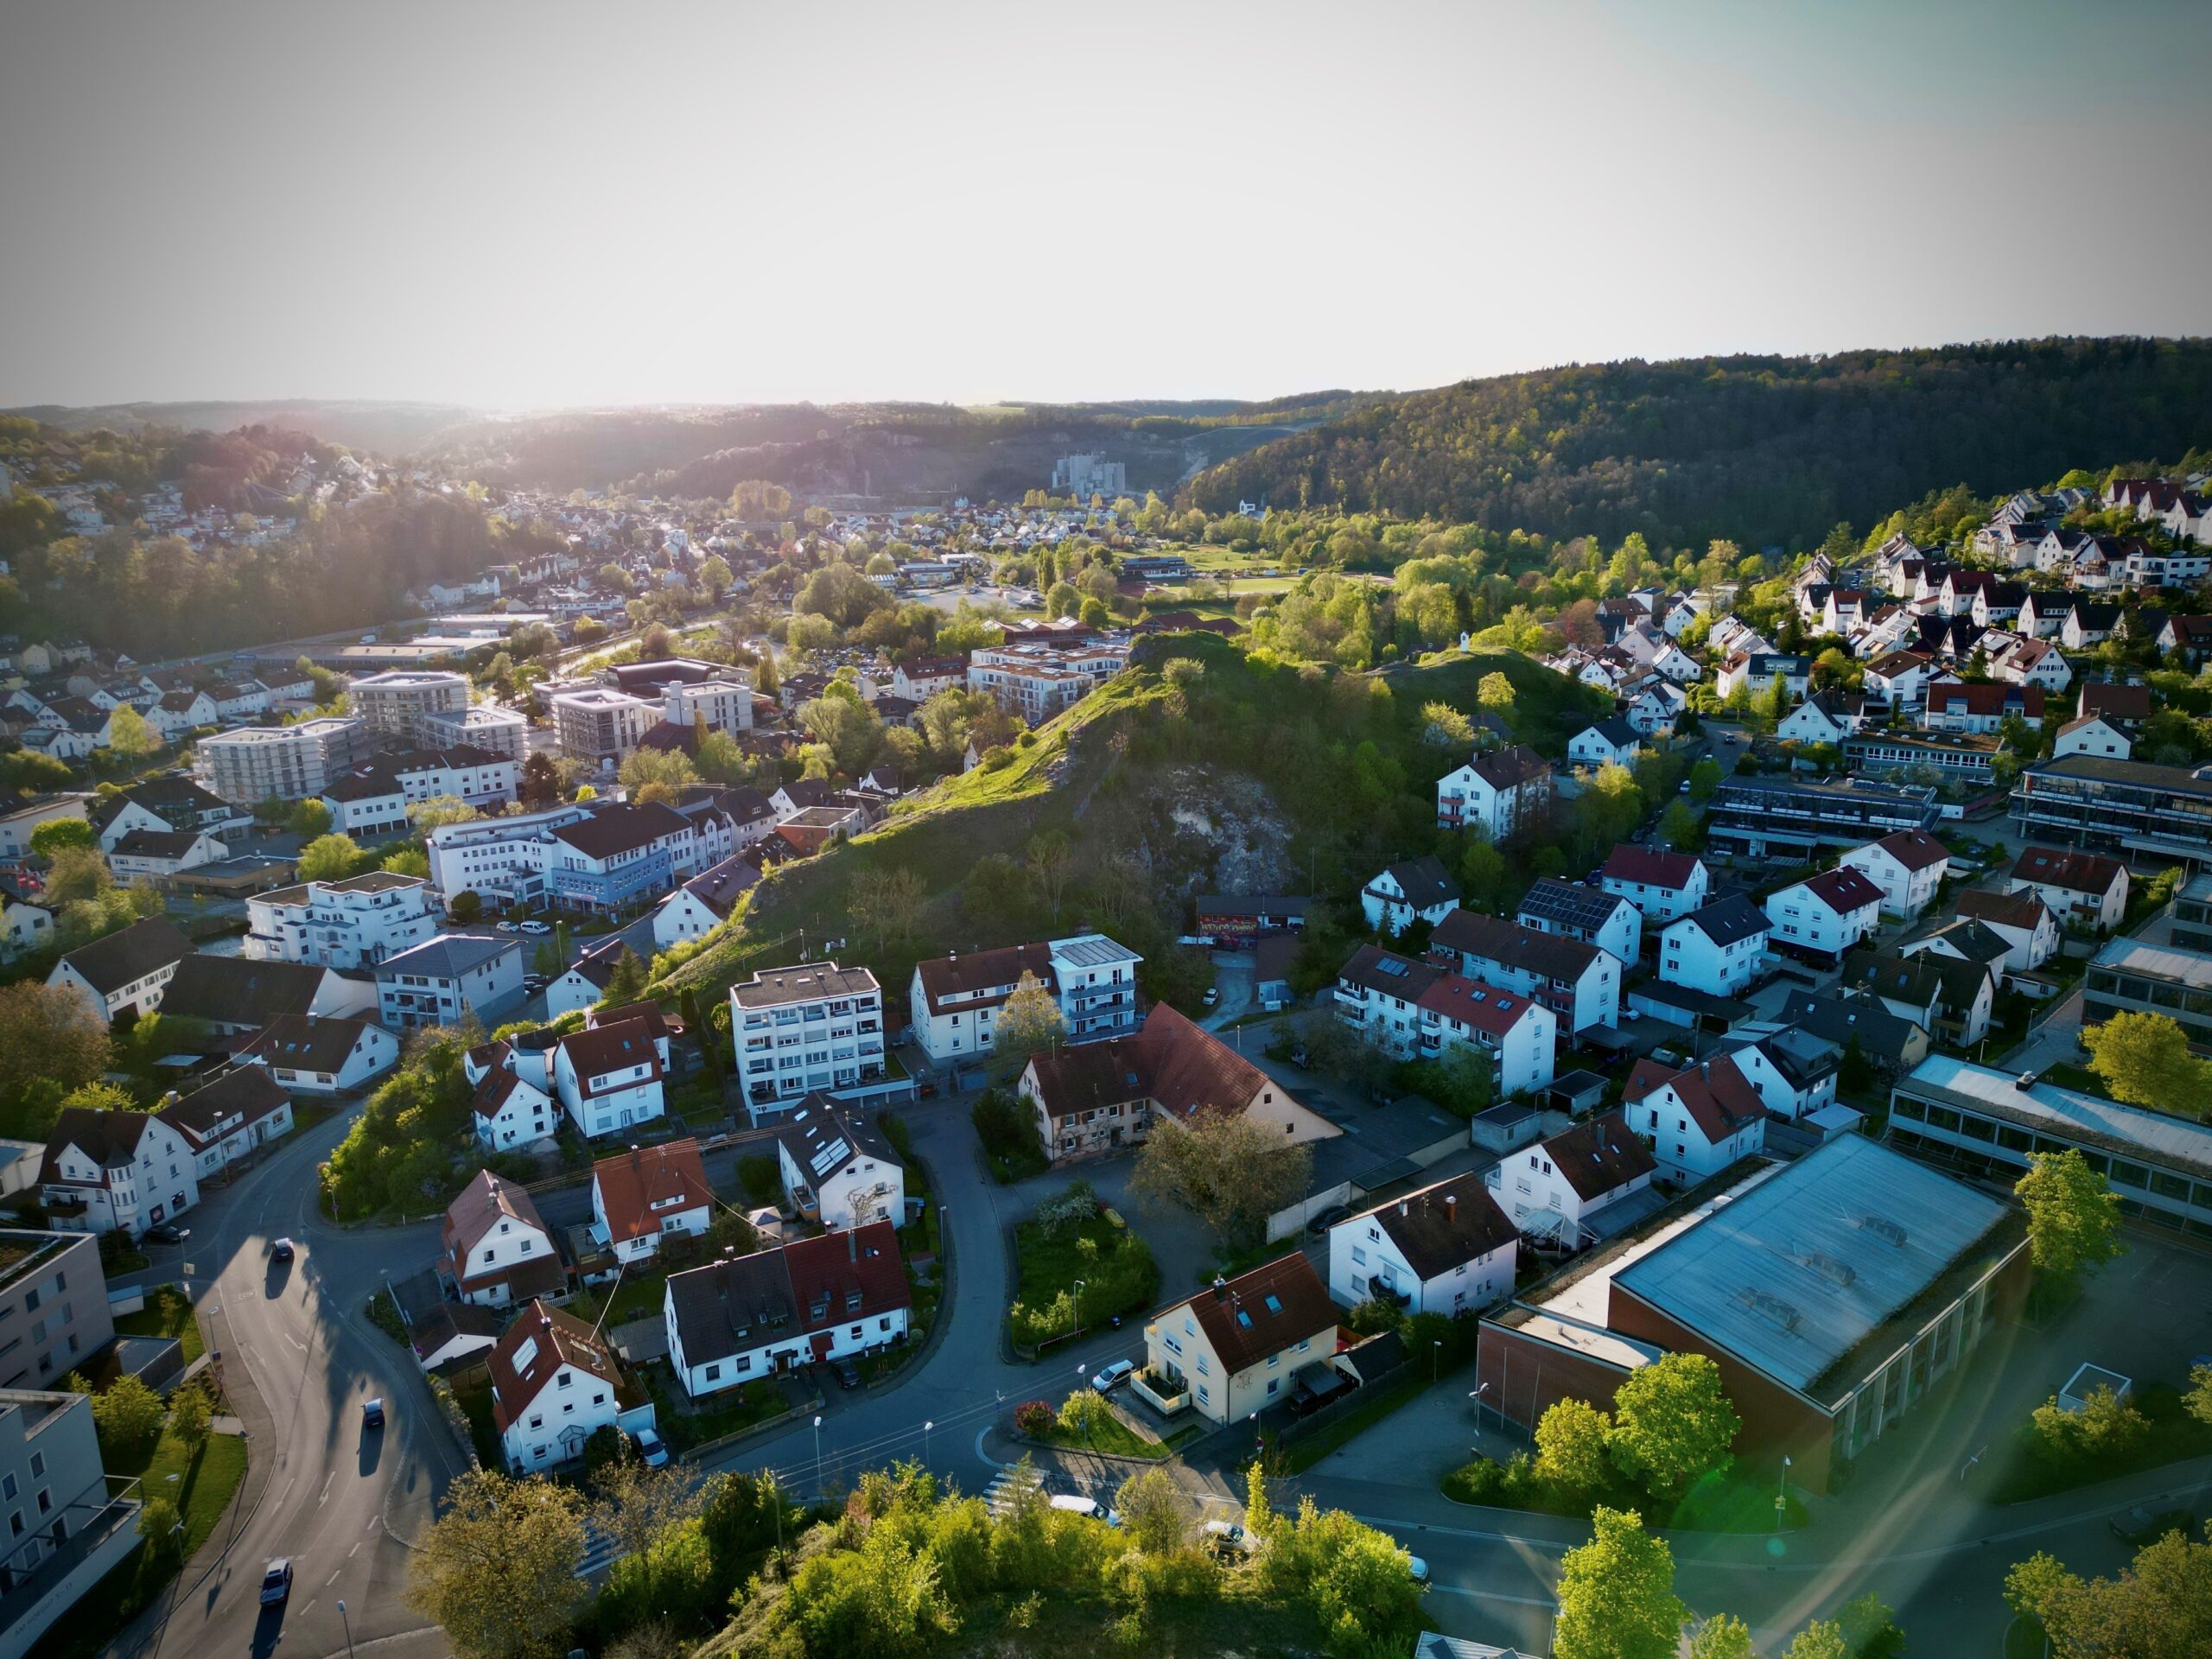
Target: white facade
<point>1690,956</point>
<point>551,1427</point>
<point>719,705</point>
<point>516,1115</point>
<point>2095,736</point>
<point>319,1069</point>
<point>393,705</point>
<point>439,980</point>
<point>802,1029</point>
<point>607,1101</point>
<point>1362,1251</point>
<point>355,922</point>
<point>1659,899</point>
<point>1803,918</point>
<point>1692,1141</point>
<point>1907,872</point>
<point>598,724</point>
<point>156,1181</point>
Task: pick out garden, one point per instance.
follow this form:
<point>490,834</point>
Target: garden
<point>1078,1265</point>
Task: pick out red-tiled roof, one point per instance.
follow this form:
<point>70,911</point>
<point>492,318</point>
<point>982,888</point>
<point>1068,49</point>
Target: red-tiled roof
<point>1843,889</point>
<point>1275,1306</point>
<point>637,1188</point>
<point>555,1338</point>
<point>1658,870</point>
<point>847,1276</point>
<point>1719,1098</point>
<point>2076,872</point>
<point>1476,1004</point>
<point>602,1049</point>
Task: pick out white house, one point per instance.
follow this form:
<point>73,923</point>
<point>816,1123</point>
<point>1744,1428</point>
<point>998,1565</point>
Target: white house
<point>1499,793</point>
<point>640,1196</point>
<point>1827,913</point>
<point>115,1172</point>
<point>1446,1249</point>
<point>826,1299</point>
<point>1718,949</point>
<point>125,971</point>
<point>2022,920</point>
<point>1612,738</point>
<point>1697,1121</point>
<point>157,855</point>
<point>837,1168</point>
<point>513,1114</point>
<point>1576,912</point>
<point>1580,983</point>
<point>23,926</point>
<point>307,1054</point>
<point>1519,1033</point>
<point>703,903</point>
<point>436,982</point>
<point>498,1250</point>
<point>554,1380</point>
<point>609,1077</point>
<point>1231,1350</point>
<point>1794,1071</point>
<point>1661,886</point>
<point>2083,887</point>
<point>2093,735</point>
<point>354,923</point>
<point>226,1122</point>
<point>1419,889</point>
<point>1907,866</point>
<point>1824,717</point>
<point>1553,1189</point>
<point>799,1029</point>
<point>1655,707</point>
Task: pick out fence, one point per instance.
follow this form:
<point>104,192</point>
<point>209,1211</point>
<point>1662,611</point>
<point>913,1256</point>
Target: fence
<point>1299,1427</point>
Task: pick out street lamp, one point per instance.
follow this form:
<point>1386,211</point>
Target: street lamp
<point>1782,1495</point>
<point>1477,1396</point>
<point>1435,1359</point>
<point>818,1456</point>
<point>349,1628</point>
<point>926,1426</point>
<point>1078,1303</point>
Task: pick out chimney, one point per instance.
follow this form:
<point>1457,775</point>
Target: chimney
<point>851,1244</point>
<point>1403,1207</point>
<point>1220,1287</point>
<point>1450,1208</point>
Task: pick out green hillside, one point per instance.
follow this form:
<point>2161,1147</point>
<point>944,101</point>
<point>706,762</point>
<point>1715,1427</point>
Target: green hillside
<point>1762,451</point>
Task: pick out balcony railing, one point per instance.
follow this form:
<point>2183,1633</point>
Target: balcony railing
<point>1164,1396</point>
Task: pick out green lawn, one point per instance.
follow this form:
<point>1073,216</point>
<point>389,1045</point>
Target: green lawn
<point>723,1414</point>
<point>1118,1272</point>
<point>205,1482</point>
<point>638,1295</point>
<point>1114,1438</point>
<point>167,1313</point>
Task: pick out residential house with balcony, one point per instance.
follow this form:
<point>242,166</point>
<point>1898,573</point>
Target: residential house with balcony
<point>2126,805</point>
<point>644,1195</point>
<point>1908,865</point>
<point>2085,889</point>
<point>1554,1189</point>
<point>1240,1346</point>
<point>1783,818</point>
<point>226,1122</point>
<point>1446,1249</point>
<point>2128,976</point>
<point>1947,994</point>
<point>1580,984</point>
<point>811,1301</point>
<point>68,1534</point>
<point>436,982</point>
<point>115,1172</point>
<point>1501,794</point>
<point>800,1030</point>
<point>610,1076</point>
<point>498,1250</point>
<point>351,924</point>
<point>837,1167</point>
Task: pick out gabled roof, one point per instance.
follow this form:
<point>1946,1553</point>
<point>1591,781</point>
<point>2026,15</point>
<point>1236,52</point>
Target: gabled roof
<point>158,843</point>
<point>1839,1018</point>
<point>493,1093</point>
<point>1444,1226</point>
<point>1493,938</point>
<point>448,957</point>
<point>1193,1071</point>
<point>2075,872</point>
<point>1476,1005</point>
<point>637,1187</point>
<point>2022,910</point>
<point>846,1276</point>
<point>1726,921</point>
<point>823,1137</point>
<point>1600,1154</point>
<point>598,1050</point>
<point>1842,889</point>
<point>612,831</point>
<point>1569,904</point>
<point>1423,881</point>
<point>1615,731</point>
<point>306,1043</point>
<point>1373,968</point>
<point>245,1092</point>
<point>732,1305</point>
<point>719,887</point>
<point>1914,849</point>
<point>1275,1306</point>
<point>561,1339</point>
<point>241,990</point>
<point>947,979</point>
<point>110,1139</point>
<point>1509,768</point>
<point>482,1205</point>
<point>109,963</point>
<point>1629,863</point>
<point>1718,1097</point>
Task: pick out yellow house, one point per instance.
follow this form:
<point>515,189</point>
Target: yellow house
<point>1236,1348</point>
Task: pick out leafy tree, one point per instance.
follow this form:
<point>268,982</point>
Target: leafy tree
<point>1150,1508</point>
<point>1617,1594</point>
<point>1259,1513</point>
<point>1680,826</point>
<point>2198,1400</point>
<point>1673,1422</point>
<point>130,736</point>
<point>1224,1168</point>
<point>158,1525</point>
<point>2073,1216</point>
<point>1869,1629</point>
<point>498,1568</point>
<point>2159,1607</point>
<point>329,858</point>
<point>1446,728</point>
<point>190,1413</point>
<point>2105,1429</point>
<point>540,781</point>
<point>308,819</point>
<point>1050,860</point>
<point>47,1031</point>
<point>128,1415</point>
<point>1571,1448</point>
<point>74,873</point>
<point>468,907</point>
<point>671,768</point>
<point>1722,1636</point>
<point>1822,1639</point>
<point>2145,1060</point>
<point>55,834</point>
<point>633,1504</point>
<point>1705,777</point>
<point>1027,1022</point>
<point>29,771</point>
<point>409,860</point>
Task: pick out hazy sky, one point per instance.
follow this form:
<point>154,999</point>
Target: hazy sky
<point>523,204</point>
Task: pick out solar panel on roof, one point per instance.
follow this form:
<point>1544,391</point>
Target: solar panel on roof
<point>1274,1303</point>
<point>1390,965</point>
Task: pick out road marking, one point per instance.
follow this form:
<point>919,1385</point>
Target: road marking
<point>356,1550</point>
<point>325,1498</point>
<point>295,1341</point>
<point>333,1578</point>
<point>1491,1595</point>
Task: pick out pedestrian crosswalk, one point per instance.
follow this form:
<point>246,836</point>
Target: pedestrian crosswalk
<point>601,1552</point>
<point>999,1496</point>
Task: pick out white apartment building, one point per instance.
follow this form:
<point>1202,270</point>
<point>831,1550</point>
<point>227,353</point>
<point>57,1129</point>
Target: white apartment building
<point>953,1001</point>
<point>579,857</point>
<point>1698,1121</point>
<point>797,1030</point>
<point>719,705</point>
<point>609,1077</point>
<point>504,731</point>
<point>1417,1010</point>
<point>1908,866</point>
<point>1827,913</point>
<point>1718,949</point>
<point>1446,1248</point>
<point>115,1172</point>
<point>438,981</point>
<point>598,724</point>
<point>1554,1188</point>
<point>393,705</point>
<point>355,922</point>
<point>1037,681</point>
<point>288,762</point>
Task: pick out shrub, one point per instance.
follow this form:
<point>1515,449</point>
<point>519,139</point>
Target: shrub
<point>761,1178</point>
<point>1034,1417</point>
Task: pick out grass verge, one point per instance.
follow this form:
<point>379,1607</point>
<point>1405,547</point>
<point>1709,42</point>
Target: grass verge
<point>1115,1439</point>
<point>168,1312</point>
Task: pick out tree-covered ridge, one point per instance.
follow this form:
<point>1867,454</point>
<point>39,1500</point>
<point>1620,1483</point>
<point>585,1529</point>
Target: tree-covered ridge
<point>1763,450</point>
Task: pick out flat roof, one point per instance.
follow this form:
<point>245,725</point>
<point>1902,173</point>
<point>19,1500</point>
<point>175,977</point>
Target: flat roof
<point>2192,968</point>
<point>1795,1273</point>
<point>2064,1113</point>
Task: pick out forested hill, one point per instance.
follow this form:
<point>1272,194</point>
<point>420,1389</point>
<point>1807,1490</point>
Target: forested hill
<point>1762,450</point>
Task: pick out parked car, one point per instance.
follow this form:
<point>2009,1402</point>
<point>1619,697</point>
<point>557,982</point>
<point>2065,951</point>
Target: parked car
<point>650,1447</point>
<point>276,1582</point>
<point>281,1250</point>
<point>509,927</point>
<point>1328,1218</point>
<point>371,1414</point>
<point>536,927</point>
<point>1227,1535</point>
<point>1090,1506</point>
<point>168,1233</point>
<point>1112,1376</point>
<point>1420,1571</point>
<point>849,1374</point>
<point>2146,1523</point>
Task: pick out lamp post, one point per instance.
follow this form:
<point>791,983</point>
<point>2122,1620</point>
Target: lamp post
<point>817,1455</point>
<point>1078,1303</point>
<point>926,1426</point>
<point>1782,1495</point>
<point>349,1628</point>
<point>1481,1389</point>
<point>1435,1360</point>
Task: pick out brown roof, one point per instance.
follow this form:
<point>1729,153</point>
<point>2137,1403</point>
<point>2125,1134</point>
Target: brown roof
<point>491,1093</point>
<point>248,1093</point>
<point>1089,1075</point>
<point>1718,1097</point>
<point>1275,1306</point>
<point>1182,1068</point>
<point>562,1338</point>
<point>601,1049</point>
<point>2007,909</point>
<point>109,1139</point>
<point>612,830</point>
<point>1509,767</point>
<point>1600,1154</point>
<point>1493,938</point>
<point>113,961</point>
<point>483,1203</point>
<point>1843,889</point>
<point>847,1276</point>
<point>306,1042</point>
<point>1914,849</point>
<point>1477,1005</point>
<point>963,976</point>
<point>1671,870</point>
<point>2077,872</point>
<point>1441,1227</point>
<point>630,1184</point>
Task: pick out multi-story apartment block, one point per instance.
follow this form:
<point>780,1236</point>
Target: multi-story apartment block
<point>355,922</point>
<point>954,1000</point>
<point>65,1532</point>
<point>600,723</point>
<point>577,857</point>
<point>1761,817</point>
<point>1416,1010</point>
<point>288,762</point>
<point>2132,805</point>
<point>1037,681</point>
<point>439,980</point>
<point>503,732</point>
<point>814,1026</point>
<point>53,1308</point>
<point>719,705</point>
<point>393,705</point>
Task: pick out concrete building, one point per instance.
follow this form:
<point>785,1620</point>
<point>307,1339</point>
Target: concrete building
<point>438,981</point>
<point>717,705</point>
<point>1784,818</point>
<point>502,732</point>
<point>54,1309</point>
<point>2124,806</point>
<point>1501,793</point>
<point>66,1531</point>
<point>393,705</point>
<point>599,724</point>
<point>289,763</point>
<point>817,1027</point>
<point>1833,1294</point>
<point>2128,977</point>
<point>349,924</point>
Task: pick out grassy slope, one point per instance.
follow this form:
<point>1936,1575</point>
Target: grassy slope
<point>1049,785</point>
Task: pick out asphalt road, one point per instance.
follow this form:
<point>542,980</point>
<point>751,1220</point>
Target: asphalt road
<point>338,1501</point>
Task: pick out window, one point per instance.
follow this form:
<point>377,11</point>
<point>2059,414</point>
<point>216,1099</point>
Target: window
<point>38,1464</point>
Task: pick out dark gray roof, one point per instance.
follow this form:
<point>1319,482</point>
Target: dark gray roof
<point>448,955</point>
<point>1444,1226</point>
<point>1882,1035</point>
<point>1495,939</point>
<point>732,1305</point>
<point>130,953</point>
<point>1726,921</point>
<point>241,990</point>
<point>1569,905</point>
<point>1424,881</point>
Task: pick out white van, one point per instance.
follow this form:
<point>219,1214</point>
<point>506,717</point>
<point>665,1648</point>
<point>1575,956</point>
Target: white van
<point>1090,1506</point>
